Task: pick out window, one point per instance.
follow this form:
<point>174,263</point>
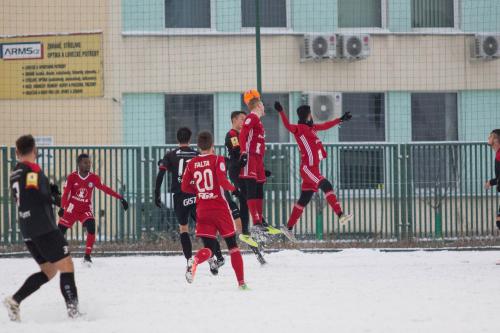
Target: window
<point>275,131</point>
<point>368,111</point>
<point>187,14</point>
<point>433,14</point>
<point>360,13</point>
<point>362,168</point>
<point>193,111</point>
<point>434,118</point>
<point>272,13</point>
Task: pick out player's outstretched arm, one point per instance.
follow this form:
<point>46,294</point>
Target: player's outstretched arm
<point>66,194</point>
<point>159,181</point>
<point>329,124</point>
<point>278,107</point>
<point>112,193</point>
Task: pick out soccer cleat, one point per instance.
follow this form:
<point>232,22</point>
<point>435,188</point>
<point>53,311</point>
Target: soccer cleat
<point>72,308</point>
<point>12,309</point>
<point>345,218</point>
<point>259,233</point>
<point>220,262</point>
<point>259,255</point>
<point>288,234</point>
<point>244,287</point>
<point>247,239</point>
<point>87,260</point>
<point>189,270</point>
<point>270,229</point>
<point>214,268</point>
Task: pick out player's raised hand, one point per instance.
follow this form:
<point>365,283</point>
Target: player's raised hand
<point>278,107</point>
<point>124,204</point>
<point>346,117</point>
<point>243,160</point>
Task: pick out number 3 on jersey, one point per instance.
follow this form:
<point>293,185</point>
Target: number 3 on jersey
<point>204,180</point>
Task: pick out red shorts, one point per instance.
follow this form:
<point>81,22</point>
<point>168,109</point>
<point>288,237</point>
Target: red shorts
<point>69,219</point>
<point>213,221</point>
<point>311,177</point>
<point>254,169</point>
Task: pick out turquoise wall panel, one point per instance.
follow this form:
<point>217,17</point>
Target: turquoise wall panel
<point>314,16</point>
<point>143,15</point>
<point>143,119</point>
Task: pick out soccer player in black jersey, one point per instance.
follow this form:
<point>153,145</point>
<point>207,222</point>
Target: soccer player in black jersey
<point>34,197</point>
<point>175,162</point>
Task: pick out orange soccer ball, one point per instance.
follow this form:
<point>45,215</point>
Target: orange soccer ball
<point>249,95</point>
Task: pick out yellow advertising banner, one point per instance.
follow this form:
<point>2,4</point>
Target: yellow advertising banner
<point>56,66</point>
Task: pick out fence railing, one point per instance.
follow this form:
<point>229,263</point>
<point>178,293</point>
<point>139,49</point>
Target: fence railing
<point>395,191</point>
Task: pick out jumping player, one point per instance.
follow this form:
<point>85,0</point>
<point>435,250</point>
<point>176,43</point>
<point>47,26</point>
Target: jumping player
<point>76,202</point>
<point>175,162</point>
<point>494,142</point>
<point>205,176</point>
<point>35,197</point>
<point>253,175</point>
<point>312,152</point>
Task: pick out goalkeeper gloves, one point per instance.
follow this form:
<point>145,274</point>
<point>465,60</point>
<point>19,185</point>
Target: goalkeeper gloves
<point>278,107</point>
<point>346,116</point>
<point>124,204</point>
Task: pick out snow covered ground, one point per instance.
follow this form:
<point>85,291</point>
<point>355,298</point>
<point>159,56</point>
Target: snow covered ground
<point>350,291</point>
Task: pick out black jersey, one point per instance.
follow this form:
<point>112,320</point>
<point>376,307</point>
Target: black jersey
<point>175,161</point>
<point>496,180</point>
<point>30,188</point>
<point>233,149</point>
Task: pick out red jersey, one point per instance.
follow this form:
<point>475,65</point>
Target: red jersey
<point>253,136</point>
<point>205,176</point>
<point>310,146</point>
<point>77,196</point>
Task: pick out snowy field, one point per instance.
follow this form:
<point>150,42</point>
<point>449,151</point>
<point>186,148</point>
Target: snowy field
<point>350,291</point>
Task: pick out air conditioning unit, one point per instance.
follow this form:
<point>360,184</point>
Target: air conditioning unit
<point>486,47</point>
<point>355,46</point>
<point>324,105</point>
<point>319,47</point>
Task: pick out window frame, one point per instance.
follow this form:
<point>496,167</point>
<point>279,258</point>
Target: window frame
<point>277,30</point>
<point>214,111</point>
<point>384,9</point>
<point>193,31</point>
<point>456,22</point>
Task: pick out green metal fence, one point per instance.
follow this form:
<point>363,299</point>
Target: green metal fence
<point>395,191</point>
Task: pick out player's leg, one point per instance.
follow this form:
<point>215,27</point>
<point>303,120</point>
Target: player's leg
<point>298,209</point>
<point>62,228</point>
<point>182,210</point>
<point>331,198</point>
<point>66,222</point>
<point>31,284</point>
<point>243,204</point>
<point>89,226</point>
<point>236,260</point>
<point>252,200</point>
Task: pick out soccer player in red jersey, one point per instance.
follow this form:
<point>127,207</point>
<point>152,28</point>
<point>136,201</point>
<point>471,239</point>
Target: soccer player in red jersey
<point>312,152</point>
<point>205,176</point>
<point>494,142</point>
<point>252,150</point>
<point>76,201</point>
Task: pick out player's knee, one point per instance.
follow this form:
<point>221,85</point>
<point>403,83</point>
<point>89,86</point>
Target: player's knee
<point>49,270</point>
<point>65,265</point>
<point>325,186</point>
<point>305,197</point>
<point>183,228</point>
<point>90,226</point>
<point>231,242</point>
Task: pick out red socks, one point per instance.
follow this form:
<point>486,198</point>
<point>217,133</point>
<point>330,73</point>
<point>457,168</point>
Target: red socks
<point>89,244</point>
<point>332,201</point>
<point>253,207</point>
<point>295,216</point>
<point>237,263</point>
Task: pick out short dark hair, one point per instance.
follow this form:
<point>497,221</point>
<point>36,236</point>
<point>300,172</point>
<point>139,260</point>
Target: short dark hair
<point>25,144</point>
<point>235,114</point>
<point>184,135</point>
<point>81,157</point>
<point>205,140</point>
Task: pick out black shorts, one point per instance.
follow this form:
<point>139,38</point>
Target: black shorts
<point>50,247</point>
<point>184,206</point>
